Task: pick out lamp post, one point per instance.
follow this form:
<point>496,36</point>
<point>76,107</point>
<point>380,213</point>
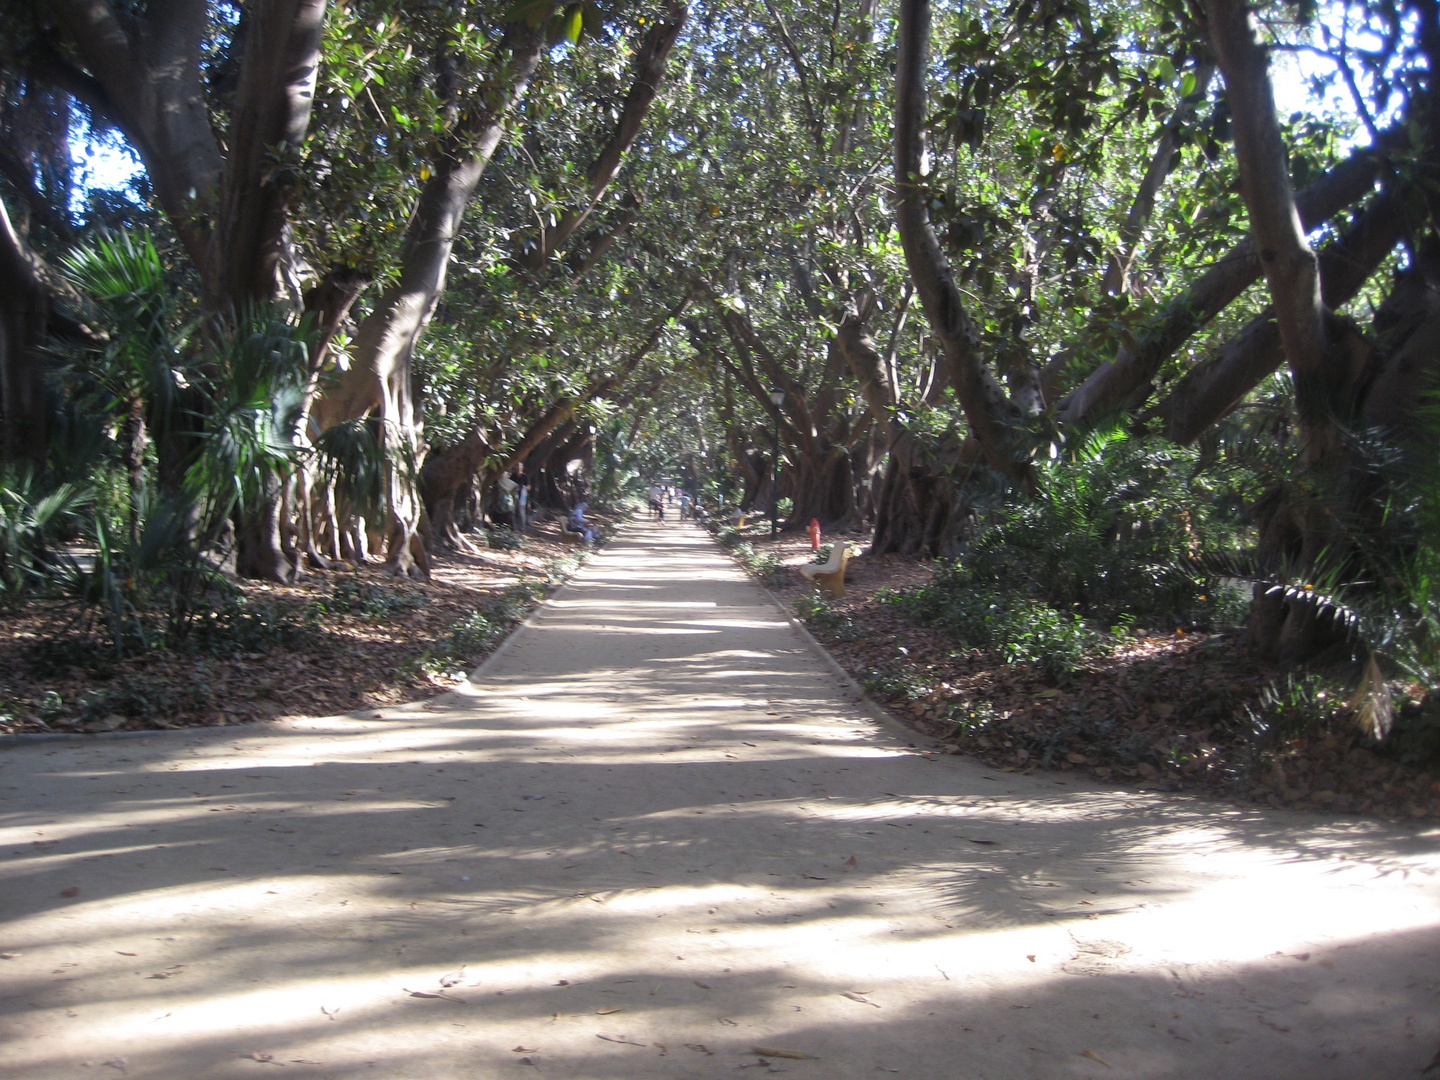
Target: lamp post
<point>776,398</point>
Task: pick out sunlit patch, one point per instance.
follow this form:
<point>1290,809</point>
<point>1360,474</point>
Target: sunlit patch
<point>707,848</point>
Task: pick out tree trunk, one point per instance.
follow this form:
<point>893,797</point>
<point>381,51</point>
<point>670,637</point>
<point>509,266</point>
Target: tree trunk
<point>24,312</point>
<point>1126,381</point>
<point>444,477</point>
<point>650,59</point>
<point>996,422</point>
<point>1297,530</point>
<point>267,126</point>
<point>379,379</point>
<point>1214,387</point>
<point>143,73</point>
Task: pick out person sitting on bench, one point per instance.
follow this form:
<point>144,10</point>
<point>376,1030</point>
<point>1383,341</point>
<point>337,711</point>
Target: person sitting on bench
<point>578,524</point>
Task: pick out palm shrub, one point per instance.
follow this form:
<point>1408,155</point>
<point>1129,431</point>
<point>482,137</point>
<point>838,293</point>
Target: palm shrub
<point>1117,527</point>
<point>29,517</point>
<point>142,375</point>
<point>1117,530</point>
<point>255,386</point>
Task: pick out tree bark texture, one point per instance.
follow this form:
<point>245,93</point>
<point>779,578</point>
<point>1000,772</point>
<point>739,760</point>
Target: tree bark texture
<point>24,312</point>
<point>379,378</point>
<point>995,421</point>
<point>143,72</point>
<point>650,60</point>
<point>1291,268</point>
<point>271,115</point>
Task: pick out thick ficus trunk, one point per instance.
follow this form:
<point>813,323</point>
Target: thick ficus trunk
<point>996,422</point>
<point>145,75</point>
<point>823,489</point>
<point>270,118</point>
<point>1330,366</point>
<point>919,512</point>
<point>445,477</point>
<point>379,379</point>
<point>259,542</point>
<point>24,311</point>
<point>271,115</point>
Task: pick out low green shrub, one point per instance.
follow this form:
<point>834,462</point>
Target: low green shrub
<point>243,624</point>
<point>503,538</point>
<point>767,568</point>
<point>818,613</point>
<point>1020,629</point>
<point>372,600</point>
<point>893,684</point>
<point>468,639</point>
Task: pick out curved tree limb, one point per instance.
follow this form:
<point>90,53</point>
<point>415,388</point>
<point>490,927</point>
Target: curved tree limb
<point>994,420</point>
<point>650,61</point>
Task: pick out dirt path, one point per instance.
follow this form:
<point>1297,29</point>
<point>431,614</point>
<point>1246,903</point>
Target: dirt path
<point>653,837</point>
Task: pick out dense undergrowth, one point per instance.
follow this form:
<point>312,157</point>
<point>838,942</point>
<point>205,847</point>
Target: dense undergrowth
<point>1100,626</point>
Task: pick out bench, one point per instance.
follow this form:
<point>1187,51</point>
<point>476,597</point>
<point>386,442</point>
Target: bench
<point>830,575</point>
<point>567,536</point>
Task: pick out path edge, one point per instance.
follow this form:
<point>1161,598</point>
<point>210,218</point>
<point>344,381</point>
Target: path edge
<point>869,706</point>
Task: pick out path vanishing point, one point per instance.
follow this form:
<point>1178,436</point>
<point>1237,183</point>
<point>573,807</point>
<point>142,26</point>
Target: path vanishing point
<point>656,836</point>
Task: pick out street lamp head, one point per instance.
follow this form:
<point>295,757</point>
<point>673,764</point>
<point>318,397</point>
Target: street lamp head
<point>776,397</point>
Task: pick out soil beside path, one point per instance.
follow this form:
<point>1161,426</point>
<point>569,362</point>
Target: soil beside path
<point>653,838</point>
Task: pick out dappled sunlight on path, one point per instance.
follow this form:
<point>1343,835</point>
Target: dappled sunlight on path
<point>653,835</point>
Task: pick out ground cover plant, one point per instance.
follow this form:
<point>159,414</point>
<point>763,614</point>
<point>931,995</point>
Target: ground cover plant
<point>332,641</point>
<point>1074,633</point>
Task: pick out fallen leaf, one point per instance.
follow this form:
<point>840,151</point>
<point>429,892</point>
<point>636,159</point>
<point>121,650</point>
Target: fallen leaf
<point>8,955</point>
<point>453,978</point>
<point>73,890</point>
<point>525,1050</point>
<point>427,994</point>
<point>858,997</point>
<point>851,863</point>
<point>606,1010</point>
<point>331,1013</point>
<point>305,1061</point>
<point>985,842</point>
<point>121,952</point>
<point>268,1059</point>
<point>118,1063</point>
<point>779,1052</point>
<point>701,985</point>
<point>619,1039</point>
<point>1096,1057</point>
<point>1049,692</point>
<point>700,1048</point>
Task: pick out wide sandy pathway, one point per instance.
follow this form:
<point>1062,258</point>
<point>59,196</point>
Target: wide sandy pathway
<point>654,835</point>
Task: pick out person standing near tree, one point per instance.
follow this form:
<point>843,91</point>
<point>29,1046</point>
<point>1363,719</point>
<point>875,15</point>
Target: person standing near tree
<point>522,497</point>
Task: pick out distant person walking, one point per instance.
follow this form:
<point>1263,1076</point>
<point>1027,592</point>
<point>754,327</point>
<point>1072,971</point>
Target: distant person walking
<point>656,496</point>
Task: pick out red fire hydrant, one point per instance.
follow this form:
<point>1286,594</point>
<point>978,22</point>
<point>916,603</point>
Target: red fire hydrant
<point>814,534</point>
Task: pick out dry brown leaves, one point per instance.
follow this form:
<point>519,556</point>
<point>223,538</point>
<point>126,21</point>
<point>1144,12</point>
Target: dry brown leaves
<point>1158,713</point>
<point>352,662</point>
